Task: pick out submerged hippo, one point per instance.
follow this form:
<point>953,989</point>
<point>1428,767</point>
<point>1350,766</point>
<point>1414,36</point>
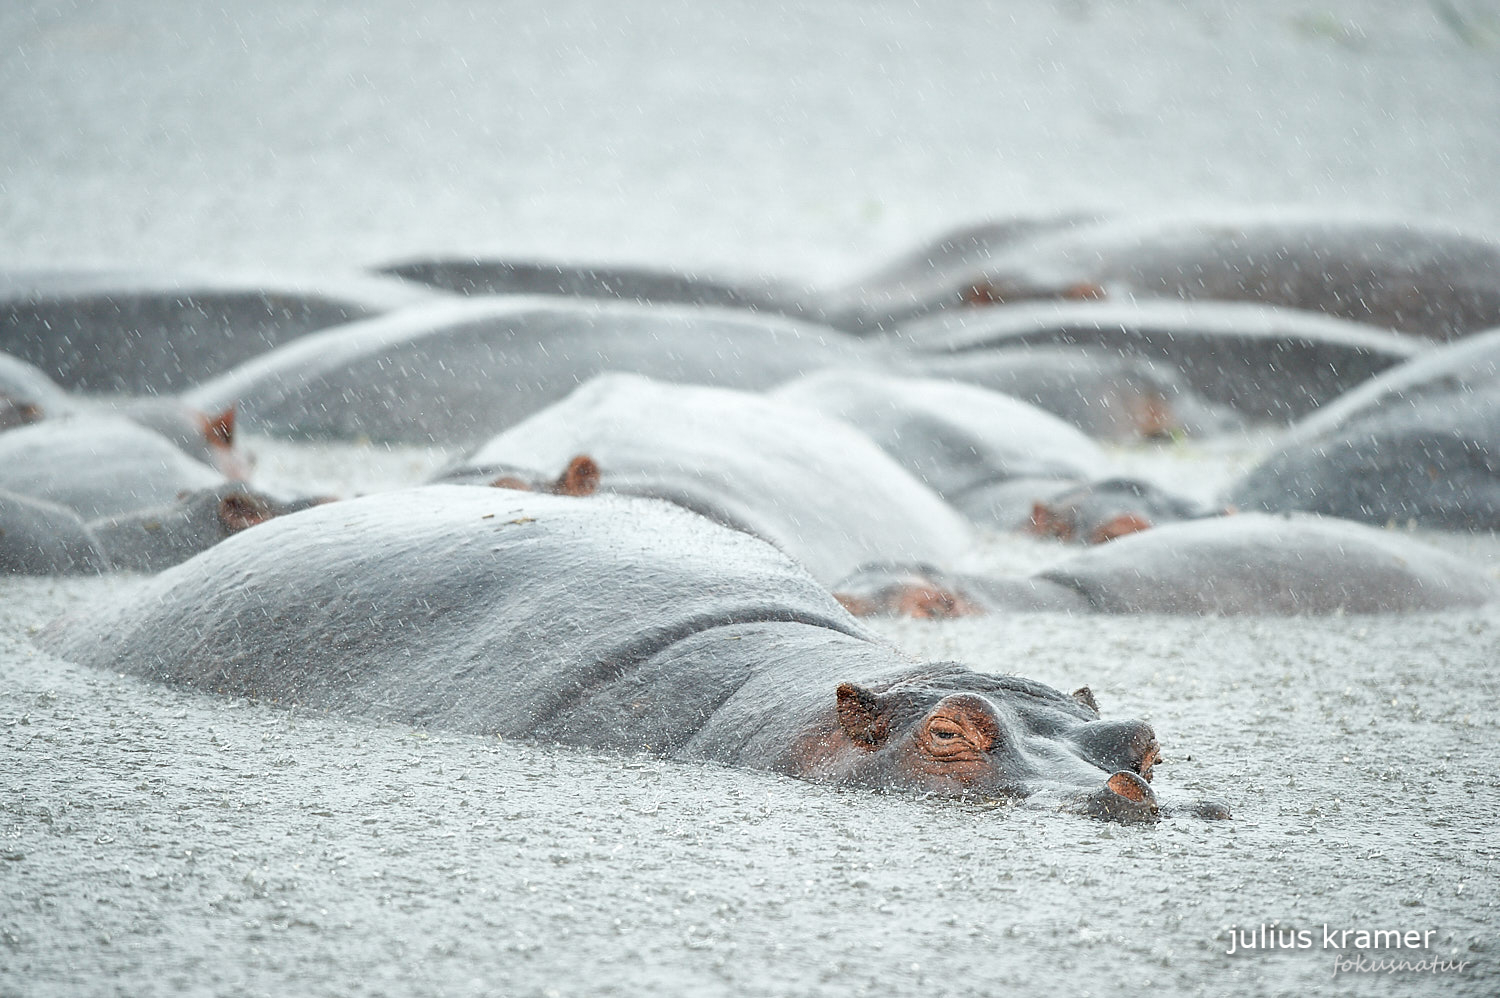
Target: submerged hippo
<point>1265,364</point>
<point>99,465</point>
<point>1429,281</point>
<point>1104,510</point>
<point>1107,394</point>
<point>956,438</point>
<point>28,393</point>
<point>1419,444</point>
<point>642,285</point>
<point>457,373</point>
<point>1251,564</point>
<point>813,486</point>
<point>104,331</point>
<point>44,538</point>
<point>609,623</point>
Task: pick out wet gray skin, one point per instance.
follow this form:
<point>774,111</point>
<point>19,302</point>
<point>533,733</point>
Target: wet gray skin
<point>1100,511</point>
<point>815,487</point>
<point>1107,395</point>
<point>25,386</point>
<point>1419,444</point>
<point>99,466</point>
<point>608,623</point>
<point>1245,565</point>
<point>1266,364</point>
<point>642,285</point>
<point>956,438</point>
<point>43,538</point>
<point>153,539</point>
<point>1432,282</point>
<point>455,374</point>
<point>120,331</point>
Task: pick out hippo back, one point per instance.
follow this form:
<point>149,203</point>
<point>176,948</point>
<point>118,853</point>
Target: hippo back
<point>473,609</point>
<point>813,486</point>
<point>457,373</point>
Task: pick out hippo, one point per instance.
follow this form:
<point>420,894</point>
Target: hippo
<point>813,486</point>
<point>38,537</point>
<point>1250,564</point>
<point>1429,281</point>
<point>14,412</point>
<point>1106,394</point>
<point>955,438</point>
<point>115,331</point>
<point>1419,444</point>
<point>1265,364</point>
<point>611,623</point>
<point>1101,511</point>
<point>456,374</point>
<point>98,465</point>
<point>207,437</point>
<point>28,393</point>
<point>642,285</point>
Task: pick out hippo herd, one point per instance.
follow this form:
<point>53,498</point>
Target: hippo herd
<point>672,497</point>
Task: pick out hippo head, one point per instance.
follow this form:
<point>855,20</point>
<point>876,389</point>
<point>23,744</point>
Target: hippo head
<point>964,734</point>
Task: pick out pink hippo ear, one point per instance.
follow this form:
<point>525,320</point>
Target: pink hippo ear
<point>219,430</point>
<point>580,479</point>
<point>238,511</point>
<point>862,714</point>
<point>1119,526</point>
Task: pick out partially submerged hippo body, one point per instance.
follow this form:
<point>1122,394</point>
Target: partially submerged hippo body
<point>1107,394</point>
<point>1097,512</point>
<point>44,538</point>
<point>1266,364</point>
<point>457,373</point>
<point>28,392</point>
<point>642,285</point>
<point>1435,283</point>
<point>813,486</point>
<point>103,331</point>
<point>1251,564</point>
<point>99,466</point>
<point>1418,444</point>
<point>608,623</point>
<point>958,439</point>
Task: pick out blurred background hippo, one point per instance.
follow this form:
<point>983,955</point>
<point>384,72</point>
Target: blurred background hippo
<point>961,440</point>
<point>1432,282</point>
<point>122,331</point>
<point>609,623</point>
<point>1420,444</point>
<point>456,373</point>
<point>639,284</point>
<point>38,537</point>
<point>1251,564</point>
<point>1243,361</point>
<point>813,486</point>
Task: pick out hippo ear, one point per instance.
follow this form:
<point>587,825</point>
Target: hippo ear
<point>580,479</point>
<point>1085,698</point>
<point>238,511</point>
<point>511,482</point>
<point>862,715</point>
<point>219,430</point>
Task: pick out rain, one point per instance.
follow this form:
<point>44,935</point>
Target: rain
<point>454,458</point>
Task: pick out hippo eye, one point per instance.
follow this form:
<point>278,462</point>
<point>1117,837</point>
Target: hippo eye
<point>943,734</point>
